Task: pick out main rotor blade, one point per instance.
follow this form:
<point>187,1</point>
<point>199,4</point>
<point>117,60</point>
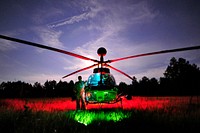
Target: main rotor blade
<point>45,47</point>
<point>83,69</point>
<point>118,71</point>
<point>157,52</point>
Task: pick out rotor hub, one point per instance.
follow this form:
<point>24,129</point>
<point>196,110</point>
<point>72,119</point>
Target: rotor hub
<point>101,51</point>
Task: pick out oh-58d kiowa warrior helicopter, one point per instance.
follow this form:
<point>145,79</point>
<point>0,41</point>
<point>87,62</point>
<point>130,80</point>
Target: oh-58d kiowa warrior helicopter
<point>101,86</point>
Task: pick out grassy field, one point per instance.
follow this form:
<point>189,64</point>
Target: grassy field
<point>58,115</point>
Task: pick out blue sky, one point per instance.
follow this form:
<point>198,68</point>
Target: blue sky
<point>123,27</point>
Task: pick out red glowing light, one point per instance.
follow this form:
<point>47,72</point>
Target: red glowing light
<point>65,104</point>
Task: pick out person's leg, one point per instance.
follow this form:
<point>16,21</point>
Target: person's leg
<point>83,106</point>
<point>83,101</point>
<point>77,103</point>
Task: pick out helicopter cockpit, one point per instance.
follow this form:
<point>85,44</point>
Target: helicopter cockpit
<point>101,77</point>
<point>97,79</point>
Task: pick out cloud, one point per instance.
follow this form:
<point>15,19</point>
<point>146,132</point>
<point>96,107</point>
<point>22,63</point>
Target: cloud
<point>7,45</point>
<point>49,37</point>
<point>40,16</point>
<point>87,14</point>
<point>71,20</point>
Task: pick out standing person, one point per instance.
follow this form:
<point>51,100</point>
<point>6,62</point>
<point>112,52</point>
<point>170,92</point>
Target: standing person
<point>80,93</point>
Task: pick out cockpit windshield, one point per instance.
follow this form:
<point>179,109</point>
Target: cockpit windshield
<point>95,79</point>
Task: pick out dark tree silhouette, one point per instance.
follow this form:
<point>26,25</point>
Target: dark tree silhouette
<point>50,88</point>
<point>183,77</point>
<point>134,86</point>
<point>38,90</point>
<point>153,86</point>
<point>144,86</point>
<point>123,88</point>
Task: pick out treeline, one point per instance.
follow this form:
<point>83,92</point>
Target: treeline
<point>180,78</point>
<point>50,89</point>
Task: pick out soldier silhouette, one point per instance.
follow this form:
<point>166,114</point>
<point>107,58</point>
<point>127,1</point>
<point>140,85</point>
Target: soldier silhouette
<point>79,90</point>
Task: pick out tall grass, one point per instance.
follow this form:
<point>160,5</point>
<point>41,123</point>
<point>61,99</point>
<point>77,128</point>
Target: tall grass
<point>61,122</point>
<point>166,119</point>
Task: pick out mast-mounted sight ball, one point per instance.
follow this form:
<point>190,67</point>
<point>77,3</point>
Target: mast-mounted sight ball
<point>101,51</point>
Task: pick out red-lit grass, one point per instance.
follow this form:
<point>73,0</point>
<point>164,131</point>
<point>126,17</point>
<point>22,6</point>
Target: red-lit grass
<point>65,104</point>
<point>157,114</point>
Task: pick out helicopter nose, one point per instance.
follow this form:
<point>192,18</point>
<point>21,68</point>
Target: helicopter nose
<point>101,51</point>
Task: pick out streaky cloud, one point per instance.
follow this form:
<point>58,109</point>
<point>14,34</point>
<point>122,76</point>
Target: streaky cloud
<point>49,37</point>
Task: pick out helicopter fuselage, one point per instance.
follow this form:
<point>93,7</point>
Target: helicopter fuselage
<point>101,87</point>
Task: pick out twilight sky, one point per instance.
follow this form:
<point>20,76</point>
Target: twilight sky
<point>123,27</point>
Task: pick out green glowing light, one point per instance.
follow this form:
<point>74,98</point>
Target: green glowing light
<point>87,117</point>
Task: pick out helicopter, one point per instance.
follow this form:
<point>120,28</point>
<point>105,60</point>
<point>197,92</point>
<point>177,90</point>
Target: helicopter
<point>101,85</point>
